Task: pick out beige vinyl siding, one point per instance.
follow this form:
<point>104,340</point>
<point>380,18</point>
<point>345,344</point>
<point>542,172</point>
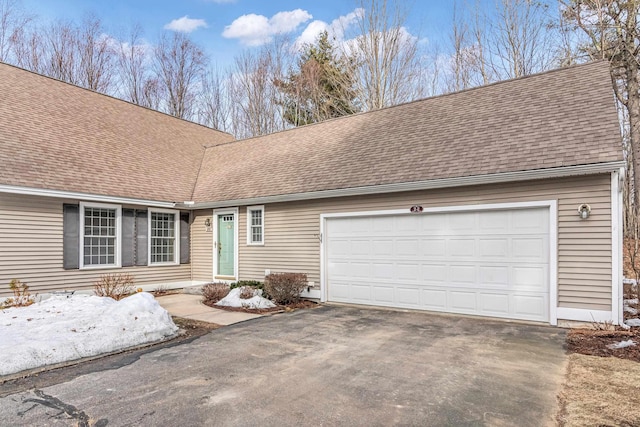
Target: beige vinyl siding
<point>31,250</point>
<point>584,262</point>
<point>202,246</point>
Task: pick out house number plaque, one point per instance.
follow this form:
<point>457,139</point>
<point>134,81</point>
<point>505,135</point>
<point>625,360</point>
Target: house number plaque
<point>416,209</point>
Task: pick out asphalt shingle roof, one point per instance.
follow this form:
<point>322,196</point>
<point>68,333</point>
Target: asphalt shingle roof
<point>58,136</point>
<point>559,118</point>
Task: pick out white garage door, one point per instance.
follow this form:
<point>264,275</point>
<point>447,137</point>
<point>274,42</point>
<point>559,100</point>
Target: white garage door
<point>489,263</point>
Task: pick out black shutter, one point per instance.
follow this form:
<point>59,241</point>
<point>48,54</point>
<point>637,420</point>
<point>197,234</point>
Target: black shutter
<point>71,236</point>
<point>184,238</point>
<point>128,237</point>
<point>142,231</point>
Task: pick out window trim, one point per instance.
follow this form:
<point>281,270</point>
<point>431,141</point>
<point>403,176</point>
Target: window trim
<point>251,209</point>
<point>118,237</point>
<point>176,237</point>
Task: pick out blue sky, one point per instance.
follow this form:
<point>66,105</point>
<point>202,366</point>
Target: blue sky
<point>225,27</point>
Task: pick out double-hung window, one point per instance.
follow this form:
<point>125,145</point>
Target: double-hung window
<point>164,232</point>
<point>100,241</point>
<point>255,225</point>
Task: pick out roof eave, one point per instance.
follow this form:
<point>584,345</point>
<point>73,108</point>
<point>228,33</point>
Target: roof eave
<point>528,175</point>
<point>43,192</point>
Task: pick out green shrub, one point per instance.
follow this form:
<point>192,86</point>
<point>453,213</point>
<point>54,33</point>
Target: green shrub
<point>21,295</point>
<point>215,291</point>
<point>253,283</point>
<point>285,288</point>
<point>116,286</point>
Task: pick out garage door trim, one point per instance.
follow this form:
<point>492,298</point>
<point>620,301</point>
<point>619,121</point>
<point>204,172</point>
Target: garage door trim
<point>552,205</point>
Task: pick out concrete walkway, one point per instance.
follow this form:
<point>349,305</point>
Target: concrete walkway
<point>191,307</point>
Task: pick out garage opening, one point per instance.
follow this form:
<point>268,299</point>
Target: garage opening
<point>483,262</point>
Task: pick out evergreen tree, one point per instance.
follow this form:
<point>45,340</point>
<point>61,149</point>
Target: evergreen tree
<point>320,88</point>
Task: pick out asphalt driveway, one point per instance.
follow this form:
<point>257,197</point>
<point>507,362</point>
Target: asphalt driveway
<point>326,366</point>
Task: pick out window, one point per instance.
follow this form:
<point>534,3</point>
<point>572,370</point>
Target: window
<point>255,225</point>
<point>164,230</point>
<point>100,241</point>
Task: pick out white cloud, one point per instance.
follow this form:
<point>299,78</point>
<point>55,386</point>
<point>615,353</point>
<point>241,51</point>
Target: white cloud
<point>256,30</point>
<point>335,30</point>
<point>185,24</point>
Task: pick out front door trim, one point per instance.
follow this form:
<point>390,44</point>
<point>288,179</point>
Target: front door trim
<point>216,214</point>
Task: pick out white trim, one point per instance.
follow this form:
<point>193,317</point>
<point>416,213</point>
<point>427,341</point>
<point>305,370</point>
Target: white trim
<point>553,238</point>
<point>29,191</point>
<point>249,233</point>
<point>582,315</point>
<point>495,178</point>
<point>176,221</point>
<point>118,248</point>
<point>616,246</point>
<point>216,214</point>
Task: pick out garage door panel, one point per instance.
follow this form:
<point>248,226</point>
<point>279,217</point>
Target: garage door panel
<point>382,271</point>
<point>494,304</point>
<point>408,296</point>
<point>434,274</point>
<point>530,306</point>
<point>462,274</point>
<point>534,249</point>
<point>433,247</point>
<point>495,276</point>
<point>361,248</point>
<point>434,299</point>
<point>384,294</point>
<point>461,248</point>
<point>493,248</point>
<point>463,301</point>
<point>483,262</point>
<point>495,221</point>
<point>407,247</point>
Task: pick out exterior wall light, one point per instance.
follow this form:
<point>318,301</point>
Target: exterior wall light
<point>584,210</point>
<point>207,224</point>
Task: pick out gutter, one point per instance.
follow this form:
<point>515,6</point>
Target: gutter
<point>29,191</point>
<point>497,178</point>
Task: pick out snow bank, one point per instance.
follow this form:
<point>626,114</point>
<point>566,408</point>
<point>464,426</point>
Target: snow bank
<point>627,306</point>
<point>62,328</point>
<point>257,301</point>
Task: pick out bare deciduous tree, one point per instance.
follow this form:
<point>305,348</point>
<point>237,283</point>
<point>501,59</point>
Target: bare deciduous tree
<point>179,64</point>
<point>13,20</point>
<point>387,60</point>
<point>254,105</point>
<point>96,56</point>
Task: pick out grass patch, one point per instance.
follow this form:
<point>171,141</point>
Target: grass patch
<point>600,391</point>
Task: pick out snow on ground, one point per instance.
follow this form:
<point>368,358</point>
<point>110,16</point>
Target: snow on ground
<point>632,322</point>
<point>622,344</point>
<point>63,328</point>
<point>627,306</point>
<point>233,300</point>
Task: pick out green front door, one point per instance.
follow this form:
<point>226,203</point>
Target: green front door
<point>226,241</point>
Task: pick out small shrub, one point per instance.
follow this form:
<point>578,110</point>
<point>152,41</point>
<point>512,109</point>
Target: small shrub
<point>21,295</point>
<point>253,283</point>
<point>285,288</point>
<point>116,286</point>
<point>247,292</point>
<point>214,292</point>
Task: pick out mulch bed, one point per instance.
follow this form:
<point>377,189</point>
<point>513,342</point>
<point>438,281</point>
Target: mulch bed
<point>277,309</point>
<point>595,342</point>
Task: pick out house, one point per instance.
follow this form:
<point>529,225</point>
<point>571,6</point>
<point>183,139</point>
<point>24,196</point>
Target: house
<point>501,201</point>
